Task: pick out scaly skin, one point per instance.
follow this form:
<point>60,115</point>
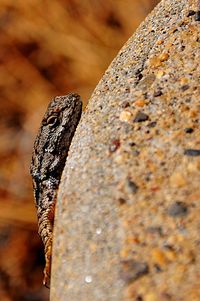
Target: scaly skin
<point>48,159</point>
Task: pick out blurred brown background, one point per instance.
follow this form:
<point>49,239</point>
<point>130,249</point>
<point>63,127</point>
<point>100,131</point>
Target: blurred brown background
<point>47,48</point>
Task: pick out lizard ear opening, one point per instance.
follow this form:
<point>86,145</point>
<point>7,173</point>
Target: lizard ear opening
<point>53,120</point>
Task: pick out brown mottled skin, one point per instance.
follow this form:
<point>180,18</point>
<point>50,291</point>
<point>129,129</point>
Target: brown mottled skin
<point>48,159</point>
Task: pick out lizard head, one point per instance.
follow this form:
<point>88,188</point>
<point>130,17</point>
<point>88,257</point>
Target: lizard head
<point>61,110</point>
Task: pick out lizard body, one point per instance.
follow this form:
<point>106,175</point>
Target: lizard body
<point>48,159</point>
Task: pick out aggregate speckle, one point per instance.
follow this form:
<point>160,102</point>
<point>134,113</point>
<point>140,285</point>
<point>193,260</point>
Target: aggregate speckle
<point>140,117</point>
<point>178,209</point>
<point>132,270</point>
<point>197,16</point>
<point>192,152</point>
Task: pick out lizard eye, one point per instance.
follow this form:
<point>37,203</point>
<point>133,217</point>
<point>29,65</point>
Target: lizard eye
<point>52,120</point>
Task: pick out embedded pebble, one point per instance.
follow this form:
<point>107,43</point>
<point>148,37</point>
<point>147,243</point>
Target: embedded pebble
<point>163,57</point>
<point>125,116</point>
<point>178,209</point>
<point>140,117</point>
<point>191,13</point>
<point>157,93</point>
<point>152,124</point>
<point>115,144</point>
<point>189,130</point>
<point>132,187</point>
<point>192,152</point>
<point>197,16</point>
<point>159,42</point>
<point>140,103</point>
<point>132,270</point>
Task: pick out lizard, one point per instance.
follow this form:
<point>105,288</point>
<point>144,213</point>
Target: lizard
<point>49,154</point>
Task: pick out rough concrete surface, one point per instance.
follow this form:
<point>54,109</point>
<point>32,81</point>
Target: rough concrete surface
<point>127,221</point>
